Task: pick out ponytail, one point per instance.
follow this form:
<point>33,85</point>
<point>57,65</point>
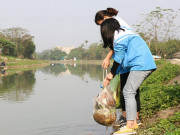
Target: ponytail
<point>108,12</point>
<point>112,11</point>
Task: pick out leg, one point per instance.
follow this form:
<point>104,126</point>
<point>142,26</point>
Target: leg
<point>134,81</point>
<point>123,79</point>
<point>137,97</point>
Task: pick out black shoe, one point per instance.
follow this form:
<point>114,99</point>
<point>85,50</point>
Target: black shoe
<point>138,122</point>
<point>122,121</point>
<point>119,123</point>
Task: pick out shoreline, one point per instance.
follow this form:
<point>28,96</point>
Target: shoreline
<point>27,66</point>
<point>26,63</point>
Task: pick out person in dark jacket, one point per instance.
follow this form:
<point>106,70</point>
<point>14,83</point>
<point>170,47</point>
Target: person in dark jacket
<point>3,64</point>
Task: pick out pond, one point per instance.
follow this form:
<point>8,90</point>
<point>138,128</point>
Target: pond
<point>54,100</point>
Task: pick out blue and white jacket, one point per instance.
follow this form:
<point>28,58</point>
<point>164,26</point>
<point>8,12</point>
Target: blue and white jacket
<point>132,52</point>
<point>123,24</point>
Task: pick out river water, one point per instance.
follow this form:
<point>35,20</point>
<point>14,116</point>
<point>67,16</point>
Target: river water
<point>55,100</point>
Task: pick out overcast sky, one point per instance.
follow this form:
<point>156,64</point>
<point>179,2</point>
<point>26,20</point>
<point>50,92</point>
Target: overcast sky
<point>70,22</point>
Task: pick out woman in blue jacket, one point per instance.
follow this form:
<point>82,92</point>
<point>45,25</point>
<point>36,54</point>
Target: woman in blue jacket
<point>133,54</point>
<point>99,18</point>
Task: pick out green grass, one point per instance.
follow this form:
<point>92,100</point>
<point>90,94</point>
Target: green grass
<point>15,64</point>
<point>14,61</point>
<point>169,126</point>
<point>159,98</point>
<point>156,95</point>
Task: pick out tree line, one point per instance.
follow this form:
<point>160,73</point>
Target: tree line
<point>51,54</point>
<point>94,52</point>
<point>158,28</point>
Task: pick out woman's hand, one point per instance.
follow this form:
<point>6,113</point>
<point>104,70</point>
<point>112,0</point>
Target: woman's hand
<point>108,79</point>
<point>106,63</point>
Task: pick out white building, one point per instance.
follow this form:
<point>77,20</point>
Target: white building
<point>65,49</point>
<point>74,58</point>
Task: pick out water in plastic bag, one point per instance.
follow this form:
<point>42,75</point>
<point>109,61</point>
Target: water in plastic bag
<point>104,111</point>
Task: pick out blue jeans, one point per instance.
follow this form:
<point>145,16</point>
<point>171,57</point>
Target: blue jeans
<point>134,81</point>
<point>123,79</point>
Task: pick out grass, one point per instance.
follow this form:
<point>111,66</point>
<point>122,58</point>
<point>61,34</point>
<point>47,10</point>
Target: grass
<point>155,94</point>
<point>169,126</point>
<point>14,64</point>
<point>14,61</point>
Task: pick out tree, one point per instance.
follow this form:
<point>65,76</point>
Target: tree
<point>78,52</point>
<point>29,48</point>
<point>159,26</point>
<point>57,54</point>
<point>53,54</point>
<point>8,48</point>
<point>169,48</point>
<point>92,50</point>
<point>22,40</point>
<point>45,55</point>
<point>86,42</point>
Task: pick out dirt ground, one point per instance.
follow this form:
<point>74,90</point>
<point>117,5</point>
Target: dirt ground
<point>176,79</point>
<point>175,61</point>
<point>163,114</point>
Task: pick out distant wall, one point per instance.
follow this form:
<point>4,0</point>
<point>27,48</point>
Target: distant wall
<point>176,55</point>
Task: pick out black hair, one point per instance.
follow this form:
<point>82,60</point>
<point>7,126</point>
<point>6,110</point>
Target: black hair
<point>108,12</point>
<point>108,27</point>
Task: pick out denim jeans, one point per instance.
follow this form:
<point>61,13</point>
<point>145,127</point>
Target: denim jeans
<point>123,79</point>
<point>134,81</point>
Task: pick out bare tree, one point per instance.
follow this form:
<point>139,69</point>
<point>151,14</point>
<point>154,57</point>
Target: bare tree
<point>159,25</point>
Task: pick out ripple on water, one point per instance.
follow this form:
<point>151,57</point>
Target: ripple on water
<point>73,129</point>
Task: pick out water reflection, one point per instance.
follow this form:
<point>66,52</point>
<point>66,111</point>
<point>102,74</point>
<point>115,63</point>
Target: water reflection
<point>54,69</point>
<point>3,71</point>
<point>62,101</point>
<point>94,71</point>
<point>18,86</point>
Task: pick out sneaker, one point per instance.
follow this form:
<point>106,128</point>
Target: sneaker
<point>122,121</point>
<point>138,122</point>
<point>126,131</point>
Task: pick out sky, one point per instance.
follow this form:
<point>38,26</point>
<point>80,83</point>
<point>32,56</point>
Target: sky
<point>70,22</point>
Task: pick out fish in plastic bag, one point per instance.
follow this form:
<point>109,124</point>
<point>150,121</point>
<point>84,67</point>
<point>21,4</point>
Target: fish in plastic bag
<point>104,111</point>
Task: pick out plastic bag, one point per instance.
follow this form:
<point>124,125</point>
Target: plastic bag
<point>115,89</point>
<point>104,111</point>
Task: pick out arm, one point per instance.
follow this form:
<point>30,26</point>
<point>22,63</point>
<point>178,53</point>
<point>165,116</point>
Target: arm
<point>110,76</point>
<point>119,52</point>
<point>106,61</point>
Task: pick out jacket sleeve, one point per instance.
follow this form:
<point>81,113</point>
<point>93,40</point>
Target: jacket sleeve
<point>119,52</point>
<point>114,68</point>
